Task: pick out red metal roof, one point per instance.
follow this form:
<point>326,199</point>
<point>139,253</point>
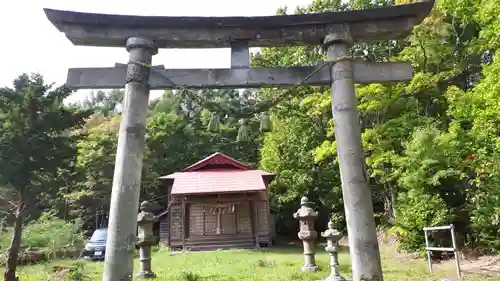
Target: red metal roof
<point>238,178</point>
<point>219,181</point>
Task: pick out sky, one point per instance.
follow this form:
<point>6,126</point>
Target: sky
<point>30,43</point>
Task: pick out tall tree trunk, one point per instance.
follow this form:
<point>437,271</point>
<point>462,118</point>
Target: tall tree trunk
<point>390,202</point>
<point>15,244</point>
<point>393,201</point>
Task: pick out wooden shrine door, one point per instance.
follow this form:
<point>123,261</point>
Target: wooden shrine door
<point>220,219</point>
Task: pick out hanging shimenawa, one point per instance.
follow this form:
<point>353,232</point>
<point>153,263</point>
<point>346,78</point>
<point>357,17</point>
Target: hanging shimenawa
<point>243,131</point>
<point>214,123</point>
<point>265,123</point>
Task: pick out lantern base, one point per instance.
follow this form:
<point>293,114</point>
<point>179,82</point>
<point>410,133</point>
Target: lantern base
<point>145,274</point>
<point>310,268</point>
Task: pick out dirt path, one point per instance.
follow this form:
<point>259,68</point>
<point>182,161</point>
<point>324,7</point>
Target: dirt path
<point>486,265</point>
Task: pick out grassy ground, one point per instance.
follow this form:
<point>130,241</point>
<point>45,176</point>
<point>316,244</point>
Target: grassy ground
<point>281,263</point>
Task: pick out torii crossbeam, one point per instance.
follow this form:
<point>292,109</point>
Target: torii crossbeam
<point>254,77</point>
<point>142,36</point>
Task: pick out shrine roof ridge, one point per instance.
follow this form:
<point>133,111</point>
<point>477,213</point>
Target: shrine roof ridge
<point>110,30</point>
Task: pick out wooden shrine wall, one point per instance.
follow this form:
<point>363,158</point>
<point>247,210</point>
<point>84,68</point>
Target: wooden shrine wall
<point>202,224</point>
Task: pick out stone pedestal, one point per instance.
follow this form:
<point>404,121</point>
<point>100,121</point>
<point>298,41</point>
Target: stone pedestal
<point>332,247</point>
<point>306,216</point>
<point>145,239</point>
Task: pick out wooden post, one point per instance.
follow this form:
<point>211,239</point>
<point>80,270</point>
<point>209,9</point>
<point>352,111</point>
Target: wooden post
<point>236,219</point>
<point>252,221</point>
<point>204,219</point>
<point>429,261</point>
<point>219,216</point>
<point>187,222</point>
<point>218,230</point>
<point>362,234</point>
<point>455,250</point>
<point>270,220</point>
<point>183,222</point>
<point>169,220</point>
<point>120,246</point>
<point>255,222</point>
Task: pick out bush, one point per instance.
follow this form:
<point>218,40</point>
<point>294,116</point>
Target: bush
<point>417,210</point>
<point>51,232</point>
<point>48,235</point>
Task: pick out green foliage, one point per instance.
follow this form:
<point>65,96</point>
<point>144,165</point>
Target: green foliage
<point>190,276</point>
<point>417,210</point>
<point>75,272</point>
<point>36,140</point>
<point>42,233</point>
<point>35,133</point>
<point>430,144</point>
<point>49,231</point>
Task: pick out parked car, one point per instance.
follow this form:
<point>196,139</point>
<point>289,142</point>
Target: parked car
<point>96,246</point>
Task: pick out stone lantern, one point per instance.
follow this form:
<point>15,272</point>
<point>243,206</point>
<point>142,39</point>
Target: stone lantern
<point>145,239</point>
<point>306,216</point>
<point>332,247</point>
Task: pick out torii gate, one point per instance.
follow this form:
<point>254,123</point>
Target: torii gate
<point>142,36</point>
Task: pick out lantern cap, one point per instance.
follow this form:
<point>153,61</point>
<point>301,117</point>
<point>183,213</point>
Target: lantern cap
<point>330,225</point>
<point>145,206</point>
<point>305,210</point>
<point>332,232</point>
<point>304,201</point>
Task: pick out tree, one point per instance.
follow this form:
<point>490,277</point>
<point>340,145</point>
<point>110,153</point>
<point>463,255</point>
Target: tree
<point>103,103</point>
<point>35,139</point>
<point>302,149</point>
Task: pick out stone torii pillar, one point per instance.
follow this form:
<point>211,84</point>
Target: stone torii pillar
<point>120,245</point>
<point>356,193</point>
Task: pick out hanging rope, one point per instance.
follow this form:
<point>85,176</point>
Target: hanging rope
<point>213,125</point>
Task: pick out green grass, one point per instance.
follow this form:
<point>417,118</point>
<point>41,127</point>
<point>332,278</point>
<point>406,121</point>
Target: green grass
<point>275,264</point>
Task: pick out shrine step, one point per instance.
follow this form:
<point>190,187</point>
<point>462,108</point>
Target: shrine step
<point>222,245</point>
<point>209,243</point>
<point>219,242</point>
<point>220,238</point>
<point>214,247</point>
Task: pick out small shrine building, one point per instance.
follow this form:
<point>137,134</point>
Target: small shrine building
<point>217,203</point>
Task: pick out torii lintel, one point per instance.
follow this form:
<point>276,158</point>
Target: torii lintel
<point>107,30</point>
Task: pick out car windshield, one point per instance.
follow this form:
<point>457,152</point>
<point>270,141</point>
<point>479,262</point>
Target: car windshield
<point>99,235</point>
